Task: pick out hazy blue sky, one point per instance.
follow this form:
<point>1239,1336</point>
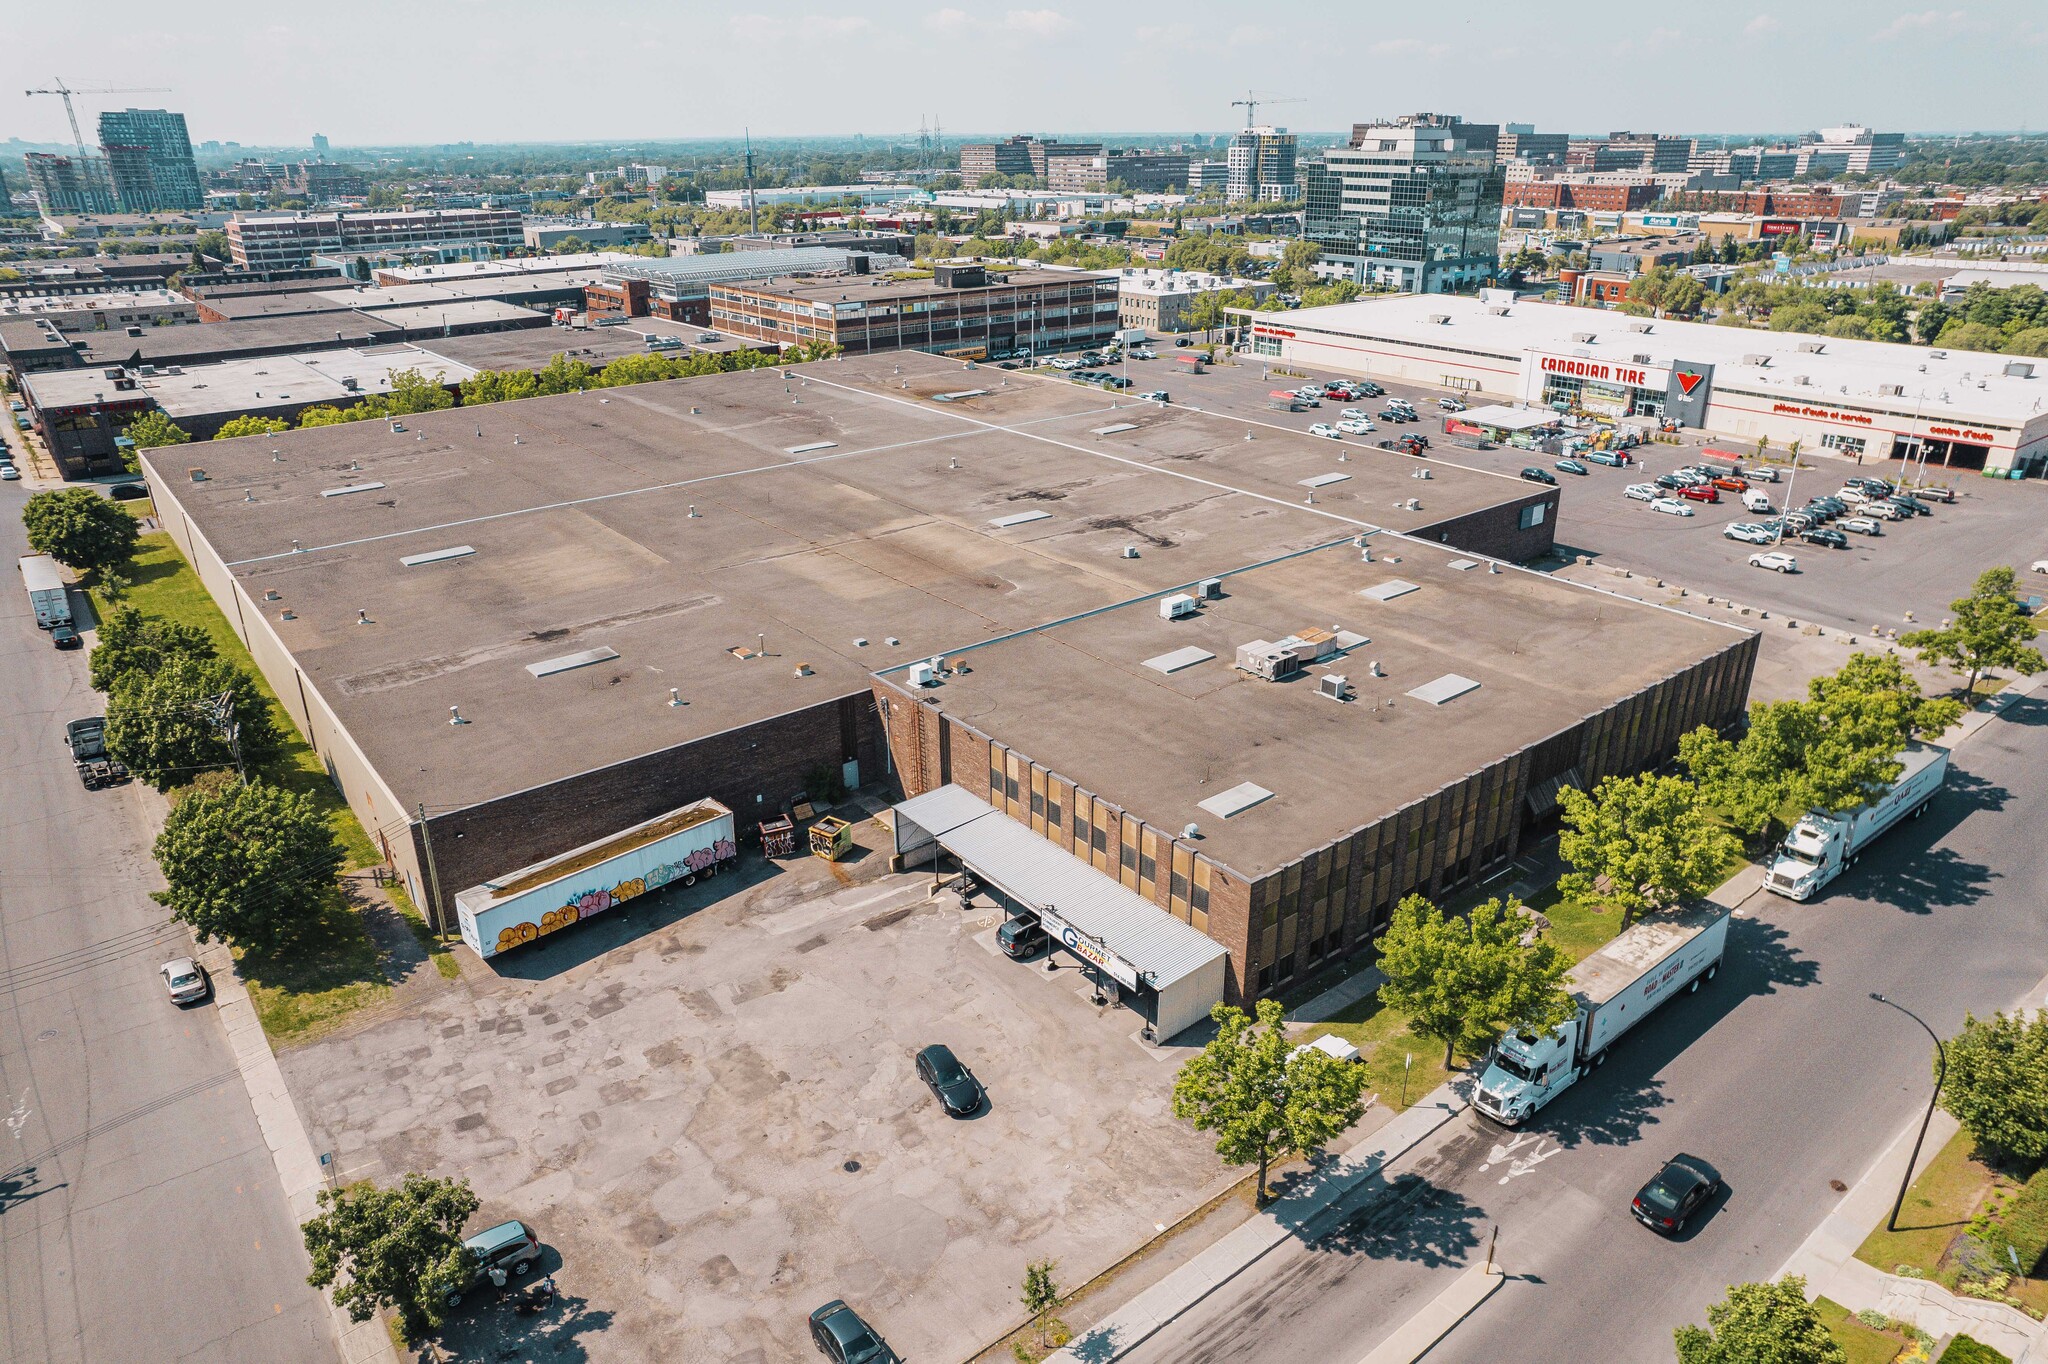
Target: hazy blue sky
<point>522,70</point>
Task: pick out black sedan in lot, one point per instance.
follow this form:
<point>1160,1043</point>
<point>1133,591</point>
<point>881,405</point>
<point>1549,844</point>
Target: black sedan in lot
<point>1684,1186</point>
<point>953,1084</point>
<point>1536,475</point>
<point>1825,535</point>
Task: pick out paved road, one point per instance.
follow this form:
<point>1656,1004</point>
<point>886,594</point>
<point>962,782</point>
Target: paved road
<point>1782,1072</point>
<point>140,1212</point>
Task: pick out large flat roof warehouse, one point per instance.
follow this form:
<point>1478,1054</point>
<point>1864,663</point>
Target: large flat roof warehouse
<point>1971,409</point>
<point>503,266</point>
<point>857,516</point>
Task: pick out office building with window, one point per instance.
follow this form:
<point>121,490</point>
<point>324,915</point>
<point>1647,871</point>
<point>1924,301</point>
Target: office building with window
<point>267,241</point>
<point>150,157</point>
<point>969,311</point>
<point>1853,150</point>
<point>1261,164</point>
<point>1410,205</point>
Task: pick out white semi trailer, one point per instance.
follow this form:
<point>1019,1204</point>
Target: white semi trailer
<point>1822,845</point>
<point>1615,989</point>
<point>680,846</point>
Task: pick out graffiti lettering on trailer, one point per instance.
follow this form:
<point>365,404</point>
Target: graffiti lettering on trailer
<point>583,904</point>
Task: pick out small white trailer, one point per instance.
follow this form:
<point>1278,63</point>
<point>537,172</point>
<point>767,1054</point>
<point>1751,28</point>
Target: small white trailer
<point>680,846</point>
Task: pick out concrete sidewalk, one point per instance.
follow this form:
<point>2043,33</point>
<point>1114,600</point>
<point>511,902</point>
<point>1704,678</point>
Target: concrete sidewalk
<point>1418,1335</point>
<point>1289,1217</point>
<point>1828,1257</point>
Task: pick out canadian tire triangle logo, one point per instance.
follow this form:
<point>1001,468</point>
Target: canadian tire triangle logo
<point>1688,380</point>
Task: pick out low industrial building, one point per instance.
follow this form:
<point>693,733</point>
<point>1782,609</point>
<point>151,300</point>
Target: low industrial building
<point>101,310</point>
<point>1158,300</point>
<point>28,347</point>
<point>1148,676</point>
<point>82,415</point>
<point>678,288</point>
<point>1960,410</point>
<point>545,234</point>
<point>967,311</point>
<point>507,267</point>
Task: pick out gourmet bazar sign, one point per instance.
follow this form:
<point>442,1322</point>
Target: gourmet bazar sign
<point>1827,414</point>
<point>1597,369</point>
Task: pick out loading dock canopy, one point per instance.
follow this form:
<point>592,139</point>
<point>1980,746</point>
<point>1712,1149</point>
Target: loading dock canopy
<point>1161,950</point>
<point>1503,418</point>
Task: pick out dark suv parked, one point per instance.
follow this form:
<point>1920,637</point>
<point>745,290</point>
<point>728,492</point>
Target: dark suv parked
<point>1021,937</point>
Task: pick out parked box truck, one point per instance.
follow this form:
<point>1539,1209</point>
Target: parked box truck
<point>1822,844</point>
<point>1615,989</point>
<point>680,846</point>
<point>47,593</point>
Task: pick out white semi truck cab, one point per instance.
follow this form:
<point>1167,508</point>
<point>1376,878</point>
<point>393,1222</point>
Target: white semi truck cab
<point>1615,989</point>
<point>1822,845</point>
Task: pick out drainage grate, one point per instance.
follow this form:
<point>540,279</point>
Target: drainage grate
<point>851,1167</point>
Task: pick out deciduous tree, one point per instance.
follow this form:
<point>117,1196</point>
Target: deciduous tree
<point>1262,1101</point>
<point>132,644</point>
<point>251,426</point>
<point>1997,1083</point>
<point>78,527</point>
<point>1761,1323</point>
<point>153,429</point>
<point>163,724</point>
<point>1466,980</point>
<point>395,1248</point>
<point>245,864</point>
<point>1990,629</point>
<point>1643,843</point>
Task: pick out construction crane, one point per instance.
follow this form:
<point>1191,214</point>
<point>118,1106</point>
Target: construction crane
<point>1252,100</point>
<point>67,92</point>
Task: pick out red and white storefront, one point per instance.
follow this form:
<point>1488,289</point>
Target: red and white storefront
<point>1857,399</point>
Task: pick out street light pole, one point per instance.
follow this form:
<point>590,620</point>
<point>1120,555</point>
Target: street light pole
<point>1940,1074</point>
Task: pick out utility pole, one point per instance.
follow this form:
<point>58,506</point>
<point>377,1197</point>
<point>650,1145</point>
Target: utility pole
<point>221,711</point>
<point>433,906</point>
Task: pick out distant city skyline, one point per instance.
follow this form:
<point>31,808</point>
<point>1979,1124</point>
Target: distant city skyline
<point>517,71</point>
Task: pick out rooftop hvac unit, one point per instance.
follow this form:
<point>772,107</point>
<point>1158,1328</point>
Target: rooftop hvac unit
<point>1334,686</point>
<point>1210,589</point>
<point>1497,310</point>
<point>1639,326</point>
<point>1813,347</point>
<point>2019,369</point>
<point>1642,357</point>
<point>1804,381</point>
<point>1758,360</point>
<point>1440,319</point>
<point>348,382</point>
<point>1937,355</point>
<point>923,675</point>
<point>1583,338</point>
<point>1179,606</point>
<point>1891,390</point>
<point>1273,662</point>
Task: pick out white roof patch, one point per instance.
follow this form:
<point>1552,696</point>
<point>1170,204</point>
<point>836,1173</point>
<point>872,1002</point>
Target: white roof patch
<point>1449,687</point>
<point>351,488</point>
<point>1325,480</point>
<point>1020,519</point>
<point>1178,659</point>
<point>435,556</point>
<point>1390,589</point>
<point>1236,800</point>
<point>567,662</point>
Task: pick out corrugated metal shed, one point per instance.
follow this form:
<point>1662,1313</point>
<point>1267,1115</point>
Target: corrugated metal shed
<point>1035,872</point>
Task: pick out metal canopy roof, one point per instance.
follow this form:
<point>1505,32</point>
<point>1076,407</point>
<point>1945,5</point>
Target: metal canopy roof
<point>1033,871</point>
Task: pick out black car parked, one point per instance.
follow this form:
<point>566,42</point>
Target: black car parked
<point>1021,937</point>
<point>842,1337</point>
<point>1684,1186</point>
<point>1909,503</point>
<point>1825,535</point>
<point>958,1092</point>
<point>1536,475</point>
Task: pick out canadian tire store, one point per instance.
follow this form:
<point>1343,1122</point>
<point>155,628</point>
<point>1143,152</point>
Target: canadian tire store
<point>1960,411</point>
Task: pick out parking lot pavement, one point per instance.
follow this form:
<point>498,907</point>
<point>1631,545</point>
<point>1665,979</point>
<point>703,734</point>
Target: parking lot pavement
<point>716,1127</point>
<point>1916,566</point>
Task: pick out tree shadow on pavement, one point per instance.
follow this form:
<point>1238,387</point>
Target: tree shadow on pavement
<point>1613,1105</point>
<point>1409,1218</point>
<point>495,1332</point>
<point>1905,870</point>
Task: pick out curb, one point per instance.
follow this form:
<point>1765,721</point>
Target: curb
<point>1286,1219</point>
